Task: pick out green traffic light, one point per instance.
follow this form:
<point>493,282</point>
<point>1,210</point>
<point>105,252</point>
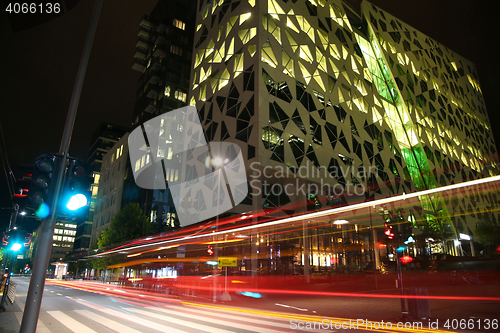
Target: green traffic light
<point>76,201</point>
<point>15,247</point>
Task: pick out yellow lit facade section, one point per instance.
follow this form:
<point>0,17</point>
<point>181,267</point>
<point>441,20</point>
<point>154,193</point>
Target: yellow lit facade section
<point>244,17</point>
<point>300,90</point>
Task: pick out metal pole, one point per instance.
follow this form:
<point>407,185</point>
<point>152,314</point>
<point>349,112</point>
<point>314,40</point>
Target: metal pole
<point>375,252</point>
<point>7,282</point>
<point>404,313</point>
<point>305,236</point>
<point>216,247</point>
<point>12,226</point>
<point>42,256</point>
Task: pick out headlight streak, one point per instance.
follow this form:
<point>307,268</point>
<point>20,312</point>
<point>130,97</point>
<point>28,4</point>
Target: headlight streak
<point>341,294</point>
<point>314,215</point>
<point>299,317</point>
<point>129,293</point>
<point>96,288</point>
<point>126,317</point>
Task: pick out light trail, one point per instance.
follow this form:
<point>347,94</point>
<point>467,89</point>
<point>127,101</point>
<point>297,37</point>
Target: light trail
<point>311,216</point>
<point>105,290</point>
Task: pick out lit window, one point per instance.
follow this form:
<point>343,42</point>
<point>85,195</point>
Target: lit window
<point>238,64</point>
<point>179,24</point>
<point>117,153</point>
<point>181,96</point>
<point>167,91</point>
<point>244,17</point>
<point>97,177</point>
<point>175,50</point>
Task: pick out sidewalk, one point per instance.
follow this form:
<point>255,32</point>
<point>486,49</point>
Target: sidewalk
<point>10,319</point>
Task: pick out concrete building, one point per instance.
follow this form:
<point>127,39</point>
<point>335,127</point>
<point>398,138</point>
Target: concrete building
<point>109,197</point>
<point>163,54</point>
<point>103,139</point>
<point>348,106</point>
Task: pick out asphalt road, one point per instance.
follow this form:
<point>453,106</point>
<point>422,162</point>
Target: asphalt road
<point>108,309</point>
<point>73,306</point>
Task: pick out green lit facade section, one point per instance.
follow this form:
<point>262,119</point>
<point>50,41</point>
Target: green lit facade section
<point>401,123</point>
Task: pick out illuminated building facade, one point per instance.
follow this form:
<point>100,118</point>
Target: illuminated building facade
<point>109,197</point>
<point>163,56</point>
<point>63,239</point>
<point>355,103</point>
<point>103,139</point>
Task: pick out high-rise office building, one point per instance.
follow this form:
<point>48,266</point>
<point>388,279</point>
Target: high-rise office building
<point>112,176</point>
<point>103,139</point>
<point>163,54</point>
<point>339,107</point>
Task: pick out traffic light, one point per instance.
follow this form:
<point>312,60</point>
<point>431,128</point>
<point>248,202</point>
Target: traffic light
<point>75,199</point>
<point>388,231</point>
<point>210,250</point>
<point>43,183</point>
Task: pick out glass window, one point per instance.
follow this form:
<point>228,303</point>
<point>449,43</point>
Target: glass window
<point>181,96</point>
<point>175,49</point>
<point>179,24</point>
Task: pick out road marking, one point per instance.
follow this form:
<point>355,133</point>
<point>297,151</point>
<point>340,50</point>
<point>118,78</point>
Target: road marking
<point>224,315</point>
<point>189,324</point>
<point>212,321</point>
<point>70,323</point>
<point>289,306</point>
<point>59,294</point>
<point>40,327</point>
<point>107,322</point>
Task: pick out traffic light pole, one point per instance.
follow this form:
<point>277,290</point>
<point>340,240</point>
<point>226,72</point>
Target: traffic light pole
<point>42,256</point>
<point>7,280</point>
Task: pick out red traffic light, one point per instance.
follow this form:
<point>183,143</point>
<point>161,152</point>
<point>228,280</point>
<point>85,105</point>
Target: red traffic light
<point>388,232</point>
<point>406,259</point>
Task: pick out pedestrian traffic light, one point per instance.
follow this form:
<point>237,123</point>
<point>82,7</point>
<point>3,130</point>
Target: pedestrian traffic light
<point>76,194</point>
<point>43,182</point>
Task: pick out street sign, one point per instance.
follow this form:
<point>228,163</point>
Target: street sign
<point>228,261</point>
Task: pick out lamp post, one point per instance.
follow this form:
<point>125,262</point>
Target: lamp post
<point>376,259</point>
<point>218,162</point>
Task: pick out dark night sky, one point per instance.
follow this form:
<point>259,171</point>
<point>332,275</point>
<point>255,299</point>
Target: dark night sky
<point>39,66</point>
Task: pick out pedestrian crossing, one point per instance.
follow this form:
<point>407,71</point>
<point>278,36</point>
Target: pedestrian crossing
<point>171,319</point>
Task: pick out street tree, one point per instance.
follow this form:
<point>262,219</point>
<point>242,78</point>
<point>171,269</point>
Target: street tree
<point>129,223</point>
